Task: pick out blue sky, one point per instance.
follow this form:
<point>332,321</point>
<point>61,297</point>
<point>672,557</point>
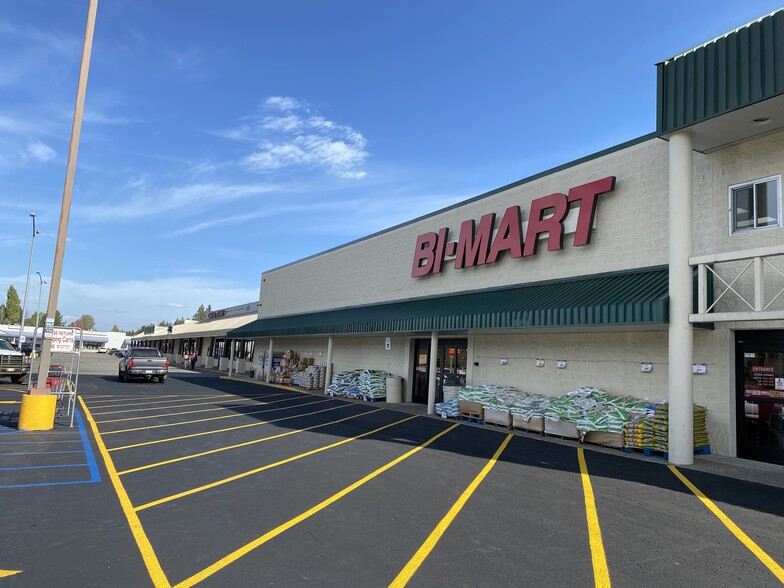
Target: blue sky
<point>223,139</point>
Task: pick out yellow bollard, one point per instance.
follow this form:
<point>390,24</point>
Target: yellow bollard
<point>37,412</point>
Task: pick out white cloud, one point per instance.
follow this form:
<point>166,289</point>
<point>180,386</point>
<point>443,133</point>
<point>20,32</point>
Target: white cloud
<point>40,151</point>
<point>281,103</point>
<point>289,135</point>
<point>14,124</point>
<point>186,201</point>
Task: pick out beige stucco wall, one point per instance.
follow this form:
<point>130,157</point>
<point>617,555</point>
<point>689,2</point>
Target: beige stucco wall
<point>630,232</point>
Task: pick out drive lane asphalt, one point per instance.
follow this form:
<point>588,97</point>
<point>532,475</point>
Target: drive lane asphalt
<point>214,482</point>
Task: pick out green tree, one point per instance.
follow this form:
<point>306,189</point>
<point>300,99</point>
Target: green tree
<point>13,306</point>
<point>88,322</point>
<point>163,324</point>
<point>59,321</point>
<point>37,319</point>
<point>180,321</point>
<point>116,329</point>
<point>2,314</point>
<point>201,314</point>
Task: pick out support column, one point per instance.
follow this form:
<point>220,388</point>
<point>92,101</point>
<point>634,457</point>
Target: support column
<point>431,377</point>
<point>231,357</point>
<point>328,376</point>
<point>269,362</point>
<point>681,341</point>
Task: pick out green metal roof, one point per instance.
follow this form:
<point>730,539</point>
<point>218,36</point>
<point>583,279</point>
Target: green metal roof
<point>634,297</point>
<point>729,72</point>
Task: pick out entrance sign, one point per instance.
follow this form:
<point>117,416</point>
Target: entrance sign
<point>478,245</point>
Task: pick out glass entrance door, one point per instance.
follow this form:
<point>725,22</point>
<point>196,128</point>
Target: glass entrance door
<point>759,359</point>
<point>451,365</point>
<point>451,369</point>
<point>421,370</point>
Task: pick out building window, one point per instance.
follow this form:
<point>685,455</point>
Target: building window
<point>755,205</point>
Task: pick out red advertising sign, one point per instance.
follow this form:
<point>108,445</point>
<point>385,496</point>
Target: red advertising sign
<point>479,245</point>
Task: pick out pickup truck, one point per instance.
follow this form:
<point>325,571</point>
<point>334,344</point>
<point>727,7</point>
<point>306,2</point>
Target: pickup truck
<point>13,363</point>
<point>143,362</point>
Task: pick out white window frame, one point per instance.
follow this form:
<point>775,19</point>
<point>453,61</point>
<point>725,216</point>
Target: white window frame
<point>752,183</point>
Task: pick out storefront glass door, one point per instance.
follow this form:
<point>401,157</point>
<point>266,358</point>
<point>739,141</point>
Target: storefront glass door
<point>760,395</point>
<point>451,364</point>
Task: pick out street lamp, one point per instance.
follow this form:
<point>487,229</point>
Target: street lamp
<point>38,309</point>
<point>27,283</point>
<point>41,283</point>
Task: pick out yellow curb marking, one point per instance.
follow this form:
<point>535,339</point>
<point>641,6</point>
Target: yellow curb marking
<point>419,557</point>
<point>601,574</point>
<point>154,568</point>
<point>244,550</point>
<point>768,561</point>
<point>266,467</point>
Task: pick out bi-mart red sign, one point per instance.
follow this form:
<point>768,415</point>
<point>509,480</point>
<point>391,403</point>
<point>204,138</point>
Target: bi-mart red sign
<point>479,245</point>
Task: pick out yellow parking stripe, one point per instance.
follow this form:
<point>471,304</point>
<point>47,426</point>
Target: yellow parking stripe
<point>416,561</point>
<point>233,404</point>
<point>768,561</point>
<point>244,550</point>
<point>143,400</point>
<point>244,444</point>
<point>154,568</point>
<point>6,573</point>
<point>601,573</point>
<point>96,399</point>
<point>230,416</point>
<point>266,467</point>
<point>258,424</point>
<point>177,403</point>
<point>214,402</point>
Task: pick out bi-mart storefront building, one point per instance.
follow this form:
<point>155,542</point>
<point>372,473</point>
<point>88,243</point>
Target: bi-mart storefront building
<point>652,269</point>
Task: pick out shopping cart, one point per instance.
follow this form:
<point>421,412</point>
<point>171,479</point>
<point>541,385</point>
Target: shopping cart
<point>60,383</point>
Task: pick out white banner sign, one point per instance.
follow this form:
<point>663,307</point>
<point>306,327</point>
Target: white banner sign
<point>63,340</point>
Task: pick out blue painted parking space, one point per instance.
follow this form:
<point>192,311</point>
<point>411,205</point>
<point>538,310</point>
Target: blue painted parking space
<point>59,457</point>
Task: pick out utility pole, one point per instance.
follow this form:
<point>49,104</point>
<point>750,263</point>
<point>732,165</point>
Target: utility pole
<point>59,252</point>
<point>27,284</point>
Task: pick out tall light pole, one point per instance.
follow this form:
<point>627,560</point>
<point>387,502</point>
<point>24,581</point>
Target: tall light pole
<point>27,283</point>
<point>65,211</point>
<point>41,283</point>
<point>38,309</point>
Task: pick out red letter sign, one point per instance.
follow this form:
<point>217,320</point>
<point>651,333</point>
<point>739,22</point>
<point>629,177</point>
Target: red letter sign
<point>508,237</point>
<point>587,194</point>
<point>424,252</point>
<point>552,225</point>
<point>472,247</point>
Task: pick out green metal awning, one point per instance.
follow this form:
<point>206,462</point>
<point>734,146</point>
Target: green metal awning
<point>635,297</point>
<point>732,71</point>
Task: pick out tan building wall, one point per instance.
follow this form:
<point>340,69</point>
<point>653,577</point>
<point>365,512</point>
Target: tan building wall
<point>631,232</point>
<point>379,268</point>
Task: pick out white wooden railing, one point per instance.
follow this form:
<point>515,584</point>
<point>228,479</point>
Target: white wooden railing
<point>758,309</point>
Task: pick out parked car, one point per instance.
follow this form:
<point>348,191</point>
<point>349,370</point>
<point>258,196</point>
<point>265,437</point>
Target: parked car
<point>143,362</point>
<point>13,363</point>
<point>27,348</point>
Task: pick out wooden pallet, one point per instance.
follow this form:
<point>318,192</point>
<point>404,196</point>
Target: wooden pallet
<point>499,425</point>
<point>648,452</point>
<point>531,431</point>
<point>471,418</point>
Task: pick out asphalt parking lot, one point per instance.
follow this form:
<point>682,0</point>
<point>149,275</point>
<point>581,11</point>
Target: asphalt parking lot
<point>217,482</point>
